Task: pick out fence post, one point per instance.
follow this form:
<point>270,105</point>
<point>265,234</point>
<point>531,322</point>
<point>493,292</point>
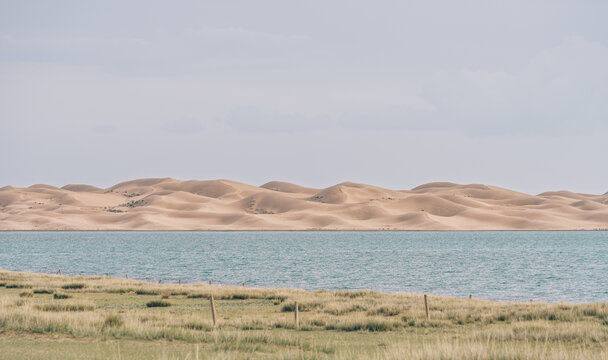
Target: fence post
<point>213,311</point>
<point>60,274</point>
<point>127,276</point>
<point>426,307</point>
<point>296,315</point>
<point>470,296</point>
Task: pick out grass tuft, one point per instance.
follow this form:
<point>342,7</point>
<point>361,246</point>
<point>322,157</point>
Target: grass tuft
<point>147,292</point>
<point>73,286</point>
<point>17,286</point>
<point>301,307</point>
<point>503,317</point>
<point>43,291</point>
<point>113,320</point>
<point>197,296</point>
<point>354,294</point>
<point>158,303</point>
<point>241,296</point>
<point>385,311</point>
<point>276,298</point>
<point>198,326</point>
<point>59,296</point>
<point>119,291</point>
<point>371,326</point>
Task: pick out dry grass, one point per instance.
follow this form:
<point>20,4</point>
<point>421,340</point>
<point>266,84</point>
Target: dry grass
<point>259,322</point>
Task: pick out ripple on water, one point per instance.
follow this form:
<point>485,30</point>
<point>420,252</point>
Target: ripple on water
<point>505,265</point>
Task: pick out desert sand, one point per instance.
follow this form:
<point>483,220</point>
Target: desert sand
<point>170,204</point>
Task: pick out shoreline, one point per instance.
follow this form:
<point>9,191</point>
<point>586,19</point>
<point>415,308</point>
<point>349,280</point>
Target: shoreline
<point>312,230</point>
<point>237,286</point>
<point>34,274</point>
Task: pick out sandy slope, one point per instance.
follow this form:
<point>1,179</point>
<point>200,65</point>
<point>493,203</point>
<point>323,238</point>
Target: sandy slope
<point>169,204</point>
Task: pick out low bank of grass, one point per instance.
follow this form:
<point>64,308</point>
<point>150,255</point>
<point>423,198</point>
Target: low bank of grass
<point>260,322</point>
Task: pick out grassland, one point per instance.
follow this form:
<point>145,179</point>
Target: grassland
<point>61,317</point>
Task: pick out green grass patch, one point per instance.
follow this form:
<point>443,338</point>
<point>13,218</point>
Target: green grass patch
<point>65,307</point>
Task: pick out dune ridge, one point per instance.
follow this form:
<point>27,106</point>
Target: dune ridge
<point>170,204</point>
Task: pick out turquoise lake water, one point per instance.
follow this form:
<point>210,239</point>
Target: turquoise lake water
<point>502,265</point>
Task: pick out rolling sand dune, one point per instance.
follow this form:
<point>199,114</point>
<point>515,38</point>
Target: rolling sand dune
<point>169,204</point>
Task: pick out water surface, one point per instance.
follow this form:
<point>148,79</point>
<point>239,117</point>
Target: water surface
<point>502,265</point>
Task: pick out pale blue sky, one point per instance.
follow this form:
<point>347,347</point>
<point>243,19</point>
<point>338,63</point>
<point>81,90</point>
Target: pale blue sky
<point>392,93</point>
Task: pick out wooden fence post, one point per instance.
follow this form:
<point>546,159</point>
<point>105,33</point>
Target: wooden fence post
<point>60,274</point>
<point>470,296</point>
<point>127,276</point>
<point>213,311</point>
<point>296,315</point>
<point>179,281</point>
<point>426,307</point>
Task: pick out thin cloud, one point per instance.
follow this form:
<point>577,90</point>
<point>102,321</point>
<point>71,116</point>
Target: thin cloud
<point>241,33</point>
<point>184,126</point>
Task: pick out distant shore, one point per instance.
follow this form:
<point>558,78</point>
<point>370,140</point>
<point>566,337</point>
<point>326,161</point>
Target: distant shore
<point>167,204</point>
<point>309,230</point>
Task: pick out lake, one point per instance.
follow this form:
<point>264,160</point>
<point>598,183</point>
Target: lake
<point>498,265</point>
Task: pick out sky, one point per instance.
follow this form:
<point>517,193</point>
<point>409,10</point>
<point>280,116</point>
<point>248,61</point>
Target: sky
<point>390,93</point>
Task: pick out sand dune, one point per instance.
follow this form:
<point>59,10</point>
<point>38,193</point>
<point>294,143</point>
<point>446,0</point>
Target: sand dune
<point>170,204</point>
